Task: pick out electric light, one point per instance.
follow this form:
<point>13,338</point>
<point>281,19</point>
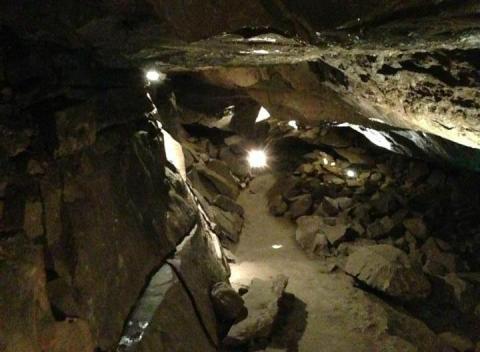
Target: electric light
<point>325,161</point>
<point>257,158</point>
<point>293,124</point>
<point>155,76</point>
<point>277,246</point>
<point>351,173</point>
<point>263,114</point>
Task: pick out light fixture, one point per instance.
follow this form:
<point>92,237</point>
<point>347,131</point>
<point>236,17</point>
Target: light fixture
<point>155,76</point>
<point>257,158</point>
<point>263,115</point>
<point>277,246</point>
<point>293,124</point>
<point>351,173</point>
<point>325,161</point>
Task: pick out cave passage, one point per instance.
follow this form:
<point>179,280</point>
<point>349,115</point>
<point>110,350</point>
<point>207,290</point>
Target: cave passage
<point>240,176</point>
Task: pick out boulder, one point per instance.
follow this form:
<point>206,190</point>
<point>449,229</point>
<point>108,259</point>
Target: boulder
<point>388,269</point>
<point>307,229</point>
<point>460,292</point>
<point>277,206</point>
<point>300,206</point>
<point>228,204</point>
<point>329,206</point>
<point>228,304</point>
<point>380,228</point>
<point>261,301</point>
<point>163,318</point>
<point>335,234</point>
<point>227,225</point>
<point>460,343</point>
<point>238,166</point>
<point>355,155</point>
<point>223,184</point>
<point>416,226</point>
<point>438,262</point>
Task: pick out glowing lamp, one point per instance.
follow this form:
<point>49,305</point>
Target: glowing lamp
<point>155,76</point>
<point>257,158</point>
<point>293,124</point>
<point>351,173</point>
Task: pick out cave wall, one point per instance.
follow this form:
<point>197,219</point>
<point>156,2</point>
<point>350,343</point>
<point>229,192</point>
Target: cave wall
<point>90,208</point>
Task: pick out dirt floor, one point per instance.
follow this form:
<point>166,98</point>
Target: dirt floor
<point>329,313</point>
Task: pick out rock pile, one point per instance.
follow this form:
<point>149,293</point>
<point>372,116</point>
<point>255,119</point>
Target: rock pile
<point>217,173</point>
<point>398,225</point>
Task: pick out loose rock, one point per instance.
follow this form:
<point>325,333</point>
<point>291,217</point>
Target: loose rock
<point>389,270</point>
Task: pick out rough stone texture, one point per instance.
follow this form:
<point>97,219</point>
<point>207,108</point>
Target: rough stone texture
<point>175,325</point>
<point>101,215</point>
<point>198,262</point>
<point>460,343</point>
<point>229,305</point>
<point>389,270</point>
<point>227,204</point>
<point>300,206</point>
<point>308,228</point>
<point>261,301</point>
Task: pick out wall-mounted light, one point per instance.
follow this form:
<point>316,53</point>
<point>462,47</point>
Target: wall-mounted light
<point>263,115</point>
<point>155,76</point>
<point>351,173</point>
<point>257,158</point>
<point>293,124</point>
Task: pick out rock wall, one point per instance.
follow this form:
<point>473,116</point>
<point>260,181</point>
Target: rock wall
<point>89,207</point>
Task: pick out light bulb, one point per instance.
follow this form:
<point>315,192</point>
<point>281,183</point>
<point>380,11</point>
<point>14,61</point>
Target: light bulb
<point>257,158</point>
<point>351,173</point>
<point>155,76</point>
<point>293,124</point>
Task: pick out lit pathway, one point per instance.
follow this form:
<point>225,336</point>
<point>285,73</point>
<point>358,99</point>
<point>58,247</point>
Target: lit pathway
<point>339,317</point>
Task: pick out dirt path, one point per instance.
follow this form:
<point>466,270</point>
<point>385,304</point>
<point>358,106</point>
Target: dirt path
<point>334,316</point>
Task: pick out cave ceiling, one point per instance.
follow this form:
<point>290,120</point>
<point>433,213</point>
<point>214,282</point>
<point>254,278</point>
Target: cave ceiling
<point>412,65</point>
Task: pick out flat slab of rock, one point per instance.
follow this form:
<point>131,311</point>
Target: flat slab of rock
<point>388,269</point>
<point>261,301</point>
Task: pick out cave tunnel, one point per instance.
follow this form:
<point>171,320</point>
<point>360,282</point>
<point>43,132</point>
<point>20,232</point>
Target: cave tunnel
<point>237,176</point>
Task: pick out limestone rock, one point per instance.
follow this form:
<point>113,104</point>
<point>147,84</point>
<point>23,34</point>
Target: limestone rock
<point>261,301</point>
<point>33,224</point>
<point>163,318</point>
<point>228,204</point>
<point>336,233</point>
<point>416,226</point>
<point>227,225</point>
<point>389,270</point>
<point>300,206</point>
<point>460,343</point>
<point>437,261</point>
<point>222,183</point>
<point>203,247</point>
<point>461,292</point>
<point>307,229</point>
<point>329,206</point>
<point>237,165</point>
<point>277,206</point>
<point>228,304</point>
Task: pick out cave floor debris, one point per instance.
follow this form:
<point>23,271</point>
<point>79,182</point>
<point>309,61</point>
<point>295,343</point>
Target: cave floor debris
<point>337,316</point>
